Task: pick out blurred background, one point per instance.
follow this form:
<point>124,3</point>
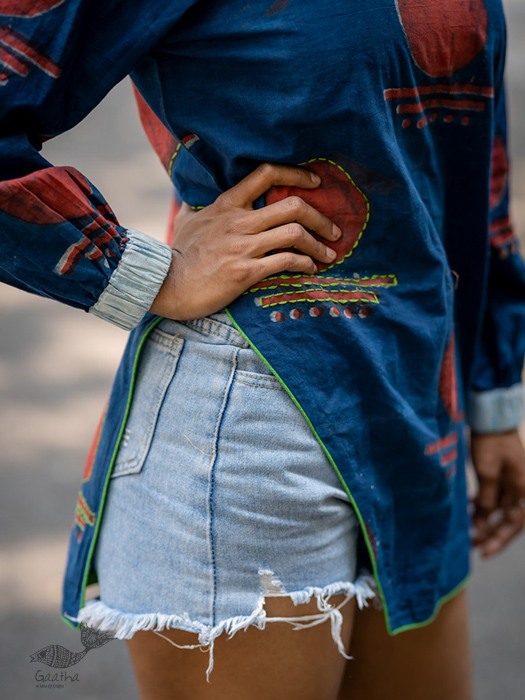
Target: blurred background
<point>56,368</point>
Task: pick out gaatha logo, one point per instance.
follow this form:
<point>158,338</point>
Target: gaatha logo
<point>61,677</point>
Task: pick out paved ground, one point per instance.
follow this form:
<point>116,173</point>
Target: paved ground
<point>56,366</point>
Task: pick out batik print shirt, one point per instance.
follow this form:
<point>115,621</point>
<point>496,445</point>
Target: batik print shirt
<point>399,105</point>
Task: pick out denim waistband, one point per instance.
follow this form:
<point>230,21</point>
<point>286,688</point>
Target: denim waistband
<point>218,324</point>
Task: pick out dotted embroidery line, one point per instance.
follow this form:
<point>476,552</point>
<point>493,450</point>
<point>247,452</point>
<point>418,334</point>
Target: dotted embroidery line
<point>316,312</point>
<point>378,279</point>
<point>173,157</point>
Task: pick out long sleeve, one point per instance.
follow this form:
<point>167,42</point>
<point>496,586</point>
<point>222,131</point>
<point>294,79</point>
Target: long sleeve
<point>496,399</point>
<point>59,237</point>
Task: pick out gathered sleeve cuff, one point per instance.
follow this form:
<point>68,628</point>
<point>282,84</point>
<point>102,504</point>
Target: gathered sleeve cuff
<point>135,281</point>
<point>496,410</point>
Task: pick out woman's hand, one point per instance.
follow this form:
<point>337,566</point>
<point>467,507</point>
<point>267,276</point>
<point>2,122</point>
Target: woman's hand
<point>227,247</point>
<point>499,514</point>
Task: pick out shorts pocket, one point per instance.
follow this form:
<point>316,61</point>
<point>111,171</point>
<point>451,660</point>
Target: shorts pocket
<point>156,369</point>
<point>252,370</point>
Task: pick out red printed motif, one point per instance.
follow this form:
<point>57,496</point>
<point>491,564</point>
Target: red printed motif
<point>18,54</point>
<point>447,449</point>
<point>502,238</point>
<point>448,382</point>
<point>163,141</point>
<point>83,515</point>
<point>499,172</point>
<point>339,198</point>
<point>55,195</point>
<point>443,35</point>
<point>28,8</point>
<point>90,460</point>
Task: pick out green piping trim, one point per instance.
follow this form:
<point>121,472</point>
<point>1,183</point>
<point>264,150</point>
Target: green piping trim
<point>173,157</point>
<point>68,622</point>
<point>148,330</point>
<point>445,599</point>
<point>369,547</point>
<point>112,461</point>
<point>330,459</point>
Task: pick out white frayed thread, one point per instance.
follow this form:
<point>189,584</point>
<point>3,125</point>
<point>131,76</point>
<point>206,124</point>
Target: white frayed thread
<point>98,615</point>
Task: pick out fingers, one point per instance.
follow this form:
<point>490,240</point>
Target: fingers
<point>501,529</point>
<point>262,178</point>
<point>284,262</point>
<point>295,209</point>
<point>499,514</point>
<point>291,236</point>
<point>488,469</point>
<point>486,502</point>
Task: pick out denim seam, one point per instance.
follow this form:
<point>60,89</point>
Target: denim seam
<point>219,330</point>
<point>167,343</point>
<point>260,385</point>
<point>133,465</point>
<point>213,462</point>
<point>250,375</point>
<point>229,337</point>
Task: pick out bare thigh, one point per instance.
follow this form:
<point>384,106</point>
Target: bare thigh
<point>430,663</point>
<point>278,662</point>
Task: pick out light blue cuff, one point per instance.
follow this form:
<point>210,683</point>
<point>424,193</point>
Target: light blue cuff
<point>135,282</point>
<point>496,410</point>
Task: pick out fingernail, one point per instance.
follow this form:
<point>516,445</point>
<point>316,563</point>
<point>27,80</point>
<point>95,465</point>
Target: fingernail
<point>336,231</point>
<point>331,253</point>
<point>315,178</point>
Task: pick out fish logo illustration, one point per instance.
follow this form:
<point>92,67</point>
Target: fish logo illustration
<point>57,656</point>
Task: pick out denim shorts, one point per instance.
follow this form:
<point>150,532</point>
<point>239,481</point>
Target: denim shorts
<point>220,496</point>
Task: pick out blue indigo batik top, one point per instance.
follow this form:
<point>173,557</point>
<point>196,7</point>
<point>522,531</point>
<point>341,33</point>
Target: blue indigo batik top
<point>399,105</point>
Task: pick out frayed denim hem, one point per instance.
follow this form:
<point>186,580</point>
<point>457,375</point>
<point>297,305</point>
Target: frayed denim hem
<point>100,616</point>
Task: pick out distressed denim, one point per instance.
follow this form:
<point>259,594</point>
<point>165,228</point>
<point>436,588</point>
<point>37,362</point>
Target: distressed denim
<point>220,496</point>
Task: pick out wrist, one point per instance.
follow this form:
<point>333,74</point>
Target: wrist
<point>163,304</point>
